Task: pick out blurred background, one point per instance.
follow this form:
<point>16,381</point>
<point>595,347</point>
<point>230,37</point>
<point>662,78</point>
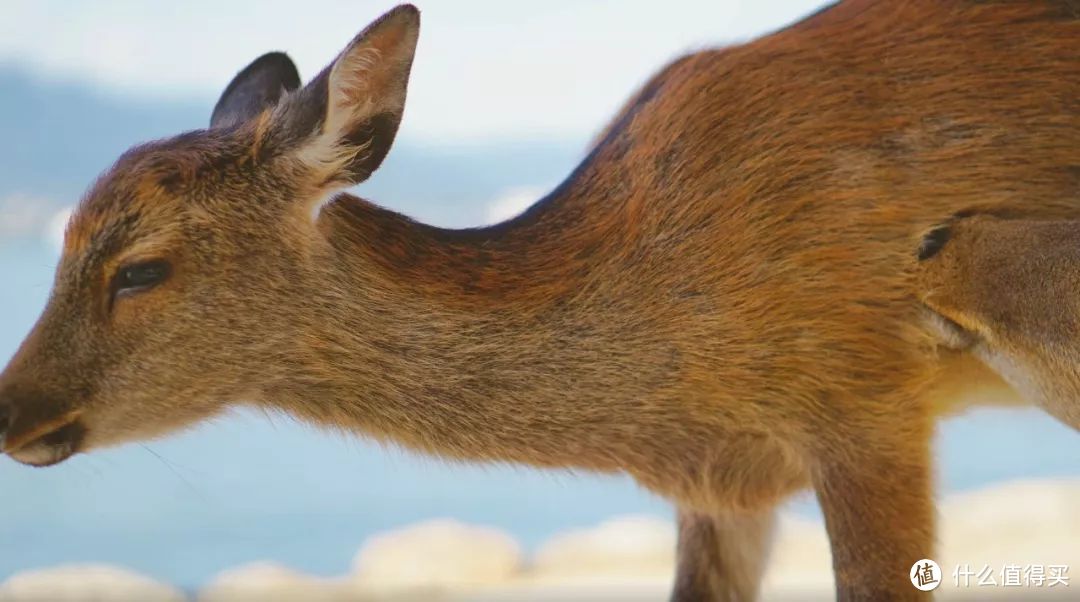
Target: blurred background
<point>504,98</point>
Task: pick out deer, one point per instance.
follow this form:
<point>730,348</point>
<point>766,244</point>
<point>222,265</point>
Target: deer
<point>774,271</point>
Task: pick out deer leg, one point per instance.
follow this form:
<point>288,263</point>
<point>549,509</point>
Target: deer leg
<point>875,493</point>
<point>721,556</point>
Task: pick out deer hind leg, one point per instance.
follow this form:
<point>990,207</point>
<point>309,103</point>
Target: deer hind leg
<point>721,556</point>
<point>874,486</point>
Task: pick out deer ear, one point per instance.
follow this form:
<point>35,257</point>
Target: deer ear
<point>355,105</point>
<point>258,87</point>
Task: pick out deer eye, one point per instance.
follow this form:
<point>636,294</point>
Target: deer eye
<point>139,277</point>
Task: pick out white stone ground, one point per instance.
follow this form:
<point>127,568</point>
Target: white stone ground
<point>627,559</point>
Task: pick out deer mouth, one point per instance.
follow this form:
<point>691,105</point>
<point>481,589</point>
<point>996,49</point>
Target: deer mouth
<point>46,443</point>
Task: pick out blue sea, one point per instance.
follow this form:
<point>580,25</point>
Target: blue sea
<point>248,487</point>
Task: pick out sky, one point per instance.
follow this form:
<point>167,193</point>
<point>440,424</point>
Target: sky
<point>485,69</point>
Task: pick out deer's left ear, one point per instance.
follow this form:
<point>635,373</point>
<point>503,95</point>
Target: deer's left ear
<point>346,118</point>
<point>258,87</point>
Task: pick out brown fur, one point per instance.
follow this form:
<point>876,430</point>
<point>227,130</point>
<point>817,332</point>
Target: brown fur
<point>724,300</point>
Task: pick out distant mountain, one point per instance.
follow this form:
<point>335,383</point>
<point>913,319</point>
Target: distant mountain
<point>58,137</point>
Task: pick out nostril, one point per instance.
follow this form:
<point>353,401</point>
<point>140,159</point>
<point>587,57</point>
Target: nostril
<point>5,422</point>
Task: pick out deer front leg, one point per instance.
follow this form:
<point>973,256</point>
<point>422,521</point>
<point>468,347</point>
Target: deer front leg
<point>875,493</point>
<point>721,557</point>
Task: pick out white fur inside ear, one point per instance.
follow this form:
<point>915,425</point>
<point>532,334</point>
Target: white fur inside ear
<point>350,89</point>
<point>356,91</point>
<point>329,160</point>
<point>365,91</point>
<point>350,102</point>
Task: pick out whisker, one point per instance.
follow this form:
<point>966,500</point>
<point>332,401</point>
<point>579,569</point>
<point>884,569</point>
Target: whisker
<point>173,470</point>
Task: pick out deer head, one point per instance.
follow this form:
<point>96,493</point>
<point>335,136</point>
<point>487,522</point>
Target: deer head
<point>184,265</point>
<point>1005,290</point>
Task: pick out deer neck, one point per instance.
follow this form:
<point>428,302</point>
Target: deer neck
<point>489,344</point>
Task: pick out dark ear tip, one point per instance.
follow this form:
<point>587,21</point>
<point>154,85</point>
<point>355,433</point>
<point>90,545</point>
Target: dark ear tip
<point>403,14</point>
<point>406,10</point>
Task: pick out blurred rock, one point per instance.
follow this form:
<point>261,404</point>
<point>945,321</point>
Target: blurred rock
<point>436,555</point>
<point>1021,522</point>
<point>86,583</point>
<point>629,547</point>
<point>272,582</point>
<point>626,559</point>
